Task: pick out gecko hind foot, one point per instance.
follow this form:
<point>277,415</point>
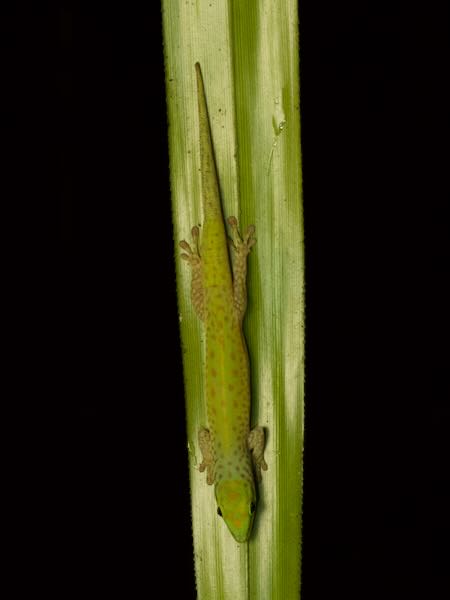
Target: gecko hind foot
<point>192,256</point>
<point>241,245</point>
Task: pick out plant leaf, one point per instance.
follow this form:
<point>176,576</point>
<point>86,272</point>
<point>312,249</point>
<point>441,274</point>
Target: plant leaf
<point>249,57</point>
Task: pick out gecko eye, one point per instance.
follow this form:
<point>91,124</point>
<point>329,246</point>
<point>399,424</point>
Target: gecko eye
<point>252,507</point>
<point>219,512</point>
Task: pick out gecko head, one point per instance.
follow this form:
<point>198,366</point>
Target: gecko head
<point>236,503</point>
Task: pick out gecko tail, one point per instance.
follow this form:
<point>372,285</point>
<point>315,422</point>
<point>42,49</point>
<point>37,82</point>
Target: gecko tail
<point>210,187</point>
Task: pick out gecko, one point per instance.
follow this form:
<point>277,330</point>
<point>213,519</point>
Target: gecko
<point>232,454</point>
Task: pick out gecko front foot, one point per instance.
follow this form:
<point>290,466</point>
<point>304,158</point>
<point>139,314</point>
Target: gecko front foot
<point>256,443</point>
<point>192,256</point>
<point>204,440</point>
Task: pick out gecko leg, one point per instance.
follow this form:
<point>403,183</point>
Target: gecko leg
<point>241,248</point>
<point>192,256</point>
<point>204,440</point>
<point>256,444</point>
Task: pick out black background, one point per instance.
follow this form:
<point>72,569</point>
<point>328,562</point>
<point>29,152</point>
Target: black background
<point>88,97</point>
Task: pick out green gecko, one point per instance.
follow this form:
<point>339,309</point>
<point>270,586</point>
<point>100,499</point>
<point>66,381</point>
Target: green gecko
<point>219,297</point>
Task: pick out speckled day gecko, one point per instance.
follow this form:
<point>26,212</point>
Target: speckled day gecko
<point>219,297</point>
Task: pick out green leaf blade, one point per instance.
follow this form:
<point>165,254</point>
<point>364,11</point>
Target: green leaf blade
<point>249,57</point>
